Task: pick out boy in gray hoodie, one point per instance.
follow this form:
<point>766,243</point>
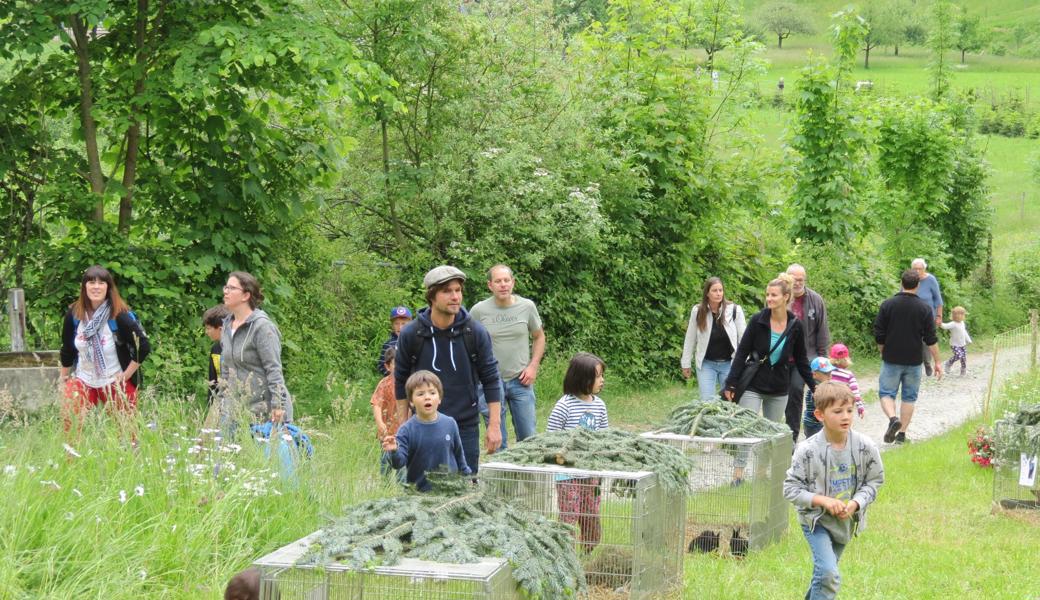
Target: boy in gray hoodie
<point>834,475</point>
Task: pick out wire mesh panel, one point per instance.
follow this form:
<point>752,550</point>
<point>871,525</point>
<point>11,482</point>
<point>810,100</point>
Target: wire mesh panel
<point>736,502</point>
<point>411,579</point>
<point>1011,490</point>
<point>628,528</point>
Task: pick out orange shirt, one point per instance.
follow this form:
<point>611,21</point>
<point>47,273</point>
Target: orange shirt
<point>383,399</point>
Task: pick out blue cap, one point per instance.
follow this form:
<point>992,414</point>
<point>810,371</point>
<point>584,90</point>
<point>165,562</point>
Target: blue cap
<point>399,312</point>
<point>821,364</point>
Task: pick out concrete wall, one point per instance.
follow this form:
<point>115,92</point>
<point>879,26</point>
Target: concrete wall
<point>32,378</point>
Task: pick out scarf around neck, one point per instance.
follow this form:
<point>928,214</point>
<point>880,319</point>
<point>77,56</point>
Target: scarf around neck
<point>92,332</point>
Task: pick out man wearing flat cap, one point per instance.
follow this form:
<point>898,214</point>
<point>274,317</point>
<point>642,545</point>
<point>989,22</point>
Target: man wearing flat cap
<point>445,340</point>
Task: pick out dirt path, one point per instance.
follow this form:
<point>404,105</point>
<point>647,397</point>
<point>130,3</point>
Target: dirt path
<point>944,404</point>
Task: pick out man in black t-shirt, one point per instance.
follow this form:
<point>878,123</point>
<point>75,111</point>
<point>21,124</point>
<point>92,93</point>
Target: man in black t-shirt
<point>904,325</point>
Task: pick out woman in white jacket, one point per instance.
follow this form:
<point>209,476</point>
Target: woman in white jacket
<point>712,335</point>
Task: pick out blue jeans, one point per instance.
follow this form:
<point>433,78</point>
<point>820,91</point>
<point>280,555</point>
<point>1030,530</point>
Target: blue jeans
<point>826,580</point>
<point>896,377</point>
<point>470,434</point>
<point>711,377</point>
<point>520,403</point>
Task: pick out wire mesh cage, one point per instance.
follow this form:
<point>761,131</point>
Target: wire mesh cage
<point>1016,482</point>
<point>628,527</point>
<point>411,579</point>
<point>736,501</point>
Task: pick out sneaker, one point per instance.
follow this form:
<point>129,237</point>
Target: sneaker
<point>901,437</point>
<point>893,428</point>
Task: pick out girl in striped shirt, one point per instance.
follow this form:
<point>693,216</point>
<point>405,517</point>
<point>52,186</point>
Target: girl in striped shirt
<point>840,359</point>
<point>579,498</point>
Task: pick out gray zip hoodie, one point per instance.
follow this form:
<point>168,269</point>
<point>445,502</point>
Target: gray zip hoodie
<point>808,477</point>
<point>251,368</point>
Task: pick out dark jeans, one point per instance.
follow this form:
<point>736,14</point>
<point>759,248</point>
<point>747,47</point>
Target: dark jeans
<point>793,414</point>
<point>470,434</point>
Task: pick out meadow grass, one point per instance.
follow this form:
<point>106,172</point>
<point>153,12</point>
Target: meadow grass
<point>166,521</point>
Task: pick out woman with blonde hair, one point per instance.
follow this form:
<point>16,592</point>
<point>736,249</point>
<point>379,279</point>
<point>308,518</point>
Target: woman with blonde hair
<point>759,376</point>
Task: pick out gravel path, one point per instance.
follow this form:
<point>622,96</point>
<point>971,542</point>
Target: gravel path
<point>944,404</point>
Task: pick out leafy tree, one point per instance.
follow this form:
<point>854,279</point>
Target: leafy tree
<point>967,33</point>
<point>711,24</point>
<point>829,137</point>
<point>784,19</point>
<point>883,27</point>
<point>941,41</point>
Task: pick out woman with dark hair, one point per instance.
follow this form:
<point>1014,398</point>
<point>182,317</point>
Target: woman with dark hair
<point>251,357</point>
<point>102,339</point>
<point>715,328</point>
<point>773,336</point>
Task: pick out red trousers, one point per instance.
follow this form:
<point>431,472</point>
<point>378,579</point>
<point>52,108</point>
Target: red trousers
<point>578,500</point>
<point>80,397</point>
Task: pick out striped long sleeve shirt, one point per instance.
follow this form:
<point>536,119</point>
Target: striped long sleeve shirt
<point>572,412</point>
<point>845,376</point>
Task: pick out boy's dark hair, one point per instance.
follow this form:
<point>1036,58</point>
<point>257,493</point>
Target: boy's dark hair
<point>581,374</point>
<point>910,279</point>
<point>390,354</point>
<point>422,377</point>
<point>244,586</point>
<point>829,393</point>
<point>214,316</point>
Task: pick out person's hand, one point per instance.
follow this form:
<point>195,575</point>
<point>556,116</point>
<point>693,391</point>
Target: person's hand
<point>529,374</point>
<point>834,506</point>
<point>390,443</point>
<point>850,509</point>
<point>493,439</point>
<point>728,395</point>
<point>277,415</point>
<point>686,372</point>
<point>938,321</point>
<point>938,370</point>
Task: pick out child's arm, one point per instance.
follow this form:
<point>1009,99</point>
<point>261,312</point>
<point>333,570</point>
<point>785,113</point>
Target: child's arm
<point>949,325</point>
<point>861,408</point>
<point>558,417</point>
<point>871,479</point>
<point>797,486</point>
<point>967,336</point>
<point>398,447</point>
<point>377,413</point>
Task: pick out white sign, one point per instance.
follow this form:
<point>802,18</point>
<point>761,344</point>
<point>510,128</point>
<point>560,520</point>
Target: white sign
<point>1027,470</point>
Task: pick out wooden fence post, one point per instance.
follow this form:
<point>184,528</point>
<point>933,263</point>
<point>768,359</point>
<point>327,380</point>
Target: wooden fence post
<point>16,315</point>
<point>1034,329</point>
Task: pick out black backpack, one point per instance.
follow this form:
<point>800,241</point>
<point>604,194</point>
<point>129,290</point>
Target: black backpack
<point>469,338</point>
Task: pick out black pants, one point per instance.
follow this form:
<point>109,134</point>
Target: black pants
<point>795,397</point>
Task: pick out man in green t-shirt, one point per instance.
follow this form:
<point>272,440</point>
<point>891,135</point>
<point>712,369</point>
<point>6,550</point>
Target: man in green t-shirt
<point>518,342</point>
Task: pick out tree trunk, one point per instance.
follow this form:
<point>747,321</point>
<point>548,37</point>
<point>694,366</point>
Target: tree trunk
<point>896,48</point>
<point>87,122</point>
<point>779,41</point>
<point>133,134</point>
<point>866,58</point>
<point>962,56</point>
<point>391,203</point>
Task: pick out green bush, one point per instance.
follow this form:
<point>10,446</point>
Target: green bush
<point>1023,273</point>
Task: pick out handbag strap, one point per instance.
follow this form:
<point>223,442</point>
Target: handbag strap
<point>779,341</point>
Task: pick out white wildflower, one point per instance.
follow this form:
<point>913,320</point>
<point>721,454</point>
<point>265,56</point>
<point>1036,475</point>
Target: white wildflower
<point>153,426</point>
<point>139,490</point>
<point>78,493</point>
<point>122,496</point>
<point>210,430</point>
<point>10,470</point>
<point>143,574</point>
<point>31,469</point>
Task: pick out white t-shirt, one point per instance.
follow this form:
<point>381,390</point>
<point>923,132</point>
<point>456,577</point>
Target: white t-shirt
<point>85,364</point>
<point>958,333</point>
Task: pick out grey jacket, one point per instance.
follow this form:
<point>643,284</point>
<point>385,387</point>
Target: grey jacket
<point>251,368</point>
<point>817,332</point>
<point>807,477</point>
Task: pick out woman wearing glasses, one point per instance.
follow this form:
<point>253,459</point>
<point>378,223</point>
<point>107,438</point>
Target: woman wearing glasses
<point>251,359</point>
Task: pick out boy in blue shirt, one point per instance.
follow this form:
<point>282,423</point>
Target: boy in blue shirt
<point>428,440</point>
